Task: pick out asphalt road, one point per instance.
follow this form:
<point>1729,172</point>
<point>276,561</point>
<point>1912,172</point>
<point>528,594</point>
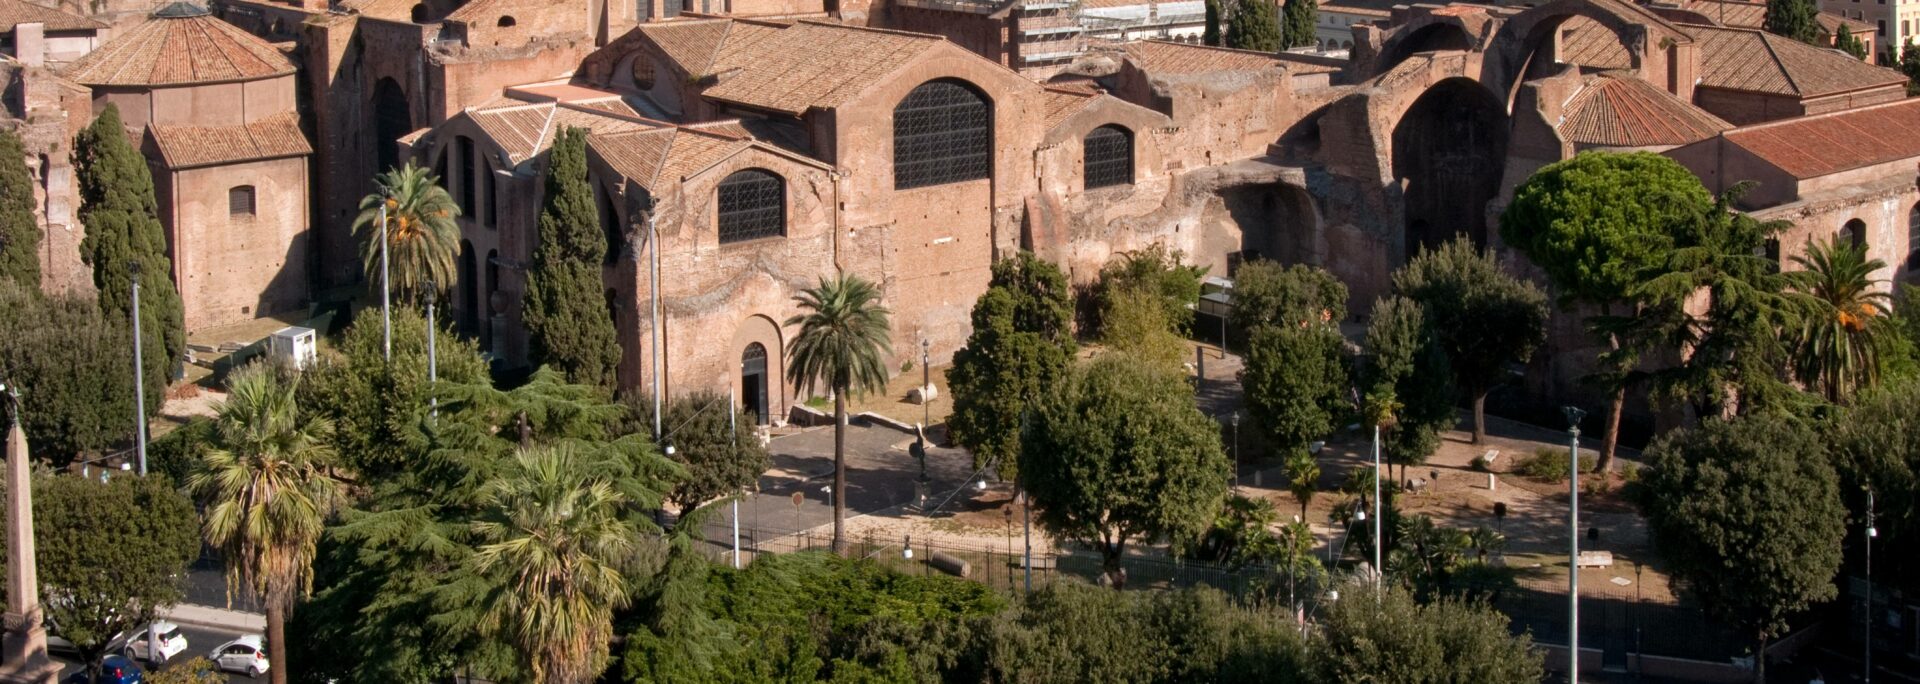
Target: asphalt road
<point>200,640</point>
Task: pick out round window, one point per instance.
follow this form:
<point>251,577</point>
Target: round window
<point>643,72</point>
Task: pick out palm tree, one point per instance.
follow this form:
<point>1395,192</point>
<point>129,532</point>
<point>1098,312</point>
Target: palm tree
<point>267,494</point>
<point>555,541</point>
<point>843,333</point>
<point>1836,348</point>
<point>1303,478</point>
<point>422,238</point>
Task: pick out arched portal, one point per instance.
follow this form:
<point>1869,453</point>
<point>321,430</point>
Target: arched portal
<point>1449,150</point>
<point>392,118</point>
<point>753,381</point>
<point>1430,38</point>
<point>1853,234</point>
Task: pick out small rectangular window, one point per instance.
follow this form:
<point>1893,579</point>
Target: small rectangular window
<point>1883,25</point>
<point>240,202</point>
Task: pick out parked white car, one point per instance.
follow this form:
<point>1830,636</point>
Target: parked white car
<point>172,642</point>
<point>246,654</point>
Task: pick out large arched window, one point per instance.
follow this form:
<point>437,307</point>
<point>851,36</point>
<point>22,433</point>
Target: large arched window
<point>1109,156</point>
<point>753,205</point>
<point>1853,233</point>
<point>468,189</point>
<point>942,133</point>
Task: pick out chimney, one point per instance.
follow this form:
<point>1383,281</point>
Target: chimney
<point>30,43</point>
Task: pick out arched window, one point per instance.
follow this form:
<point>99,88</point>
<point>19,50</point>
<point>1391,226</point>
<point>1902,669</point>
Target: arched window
<point>1853,233</point>
<point>942,133</point>
<point>642,72</point>
<point>240,201</point>
<point>419,13</point>
<point>610,223</point>
<point>1109,156</point>
<point>753,205</point>
<point>468,190</point>
<point>505,21</point>
<point>1913,238</point>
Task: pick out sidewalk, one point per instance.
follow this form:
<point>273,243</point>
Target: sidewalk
<point>217,618</point>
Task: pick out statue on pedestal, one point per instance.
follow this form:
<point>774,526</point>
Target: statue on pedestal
<point>23,660</point>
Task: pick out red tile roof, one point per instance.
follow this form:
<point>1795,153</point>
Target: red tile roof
<point>273,137</point>
<point>1155,56</point>
<point>16,12</point>
<point>1740,14</point>
<point>810,65</point>
<point>1757,61</point>
<point>524,131</point>
<point>179,50</point>
<point>1813,146</point>
<point>1062,103</point>
<point>1625,111</point>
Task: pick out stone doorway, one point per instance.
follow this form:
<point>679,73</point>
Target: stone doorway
<point>753,381</point>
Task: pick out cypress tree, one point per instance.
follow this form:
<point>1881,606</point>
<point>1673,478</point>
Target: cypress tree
<point>1845,41</point>
<point>19,232</point>
<point>1254,27</point>
<point>1297,19</point>
<point>1793,19</point>
<point>123,227</point>
<point>1212,35</point>
<point>566,317</point>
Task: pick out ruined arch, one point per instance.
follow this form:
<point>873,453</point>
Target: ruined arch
<point>1531,43</point>
<point>1449,152</point>
<point>392,119</point>
<point>1433,37</point>
<point>1277,221</point>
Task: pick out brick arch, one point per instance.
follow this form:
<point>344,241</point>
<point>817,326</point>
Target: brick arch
<point>1658,51</point>
<point>1425,33</point>
<point>761,330</point>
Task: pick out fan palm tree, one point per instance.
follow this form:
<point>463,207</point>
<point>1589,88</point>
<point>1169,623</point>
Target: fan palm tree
<point>422,238</point>
<point>267,494</point>
<point>555,541</point>
<point>1836,348</point>
<point>843,333</point>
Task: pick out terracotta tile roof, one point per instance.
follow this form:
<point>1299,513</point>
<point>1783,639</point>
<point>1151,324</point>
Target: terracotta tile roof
<point>1753,15</point>
<point>269,138</point>
<point>1163,57</point>
<point>809,65</point>
<point>1812,146</point>
<point>16,12</point>
<point>391,10</point>
<point>174,50</point>
<point>1355,10</point>
<point>1587,43</point>
<point>1830,23</point>
<point>663,156</point>
<point>1062,103</point>
<point>1756,61</point>
<point>1625,111</point>
<point>694,43</point>
<point>524,131</point>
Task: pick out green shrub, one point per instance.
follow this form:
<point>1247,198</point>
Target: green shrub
<point>1550,465</point>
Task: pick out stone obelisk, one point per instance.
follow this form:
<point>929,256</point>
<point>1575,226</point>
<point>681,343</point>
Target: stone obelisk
<point>25,645</point>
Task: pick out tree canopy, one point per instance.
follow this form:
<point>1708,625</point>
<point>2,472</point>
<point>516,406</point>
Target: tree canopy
<point>1484,319</point>
<point>568,324</point>
<point>73,367</point>
<point>718,452</point>
<point>110,554</point>
<point>1388,638</point>
<point>375,406</point>
<point>1405,360</point>
<point>1596,221</point>
<point>1022,344</point>
<point>1296,384</point>
<point>1748,514</point>
<point>1118,453</point>
<point>1298,19</point>
<point>1796,19</point>
<point>1156,272</point>
<point>118,208</point>
<point>422,235</point>
<point>1254,27</point>
<point>1269,293</point>
<point>19,230</point>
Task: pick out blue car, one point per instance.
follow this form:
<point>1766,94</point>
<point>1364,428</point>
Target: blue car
<point>114,669</point>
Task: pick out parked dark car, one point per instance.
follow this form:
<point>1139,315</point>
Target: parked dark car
<point>114,669</point>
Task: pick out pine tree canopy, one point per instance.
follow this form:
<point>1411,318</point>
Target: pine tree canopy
<point>567,320</point>
<point>117,207</point>
<point>19,232</point>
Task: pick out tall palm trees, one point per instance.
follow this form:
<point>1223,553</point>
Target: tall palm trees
<point>843,333</point>
<point>1838,342</point>
<point>267,494</point>
<point>555,537</point>
<point>422,238</point>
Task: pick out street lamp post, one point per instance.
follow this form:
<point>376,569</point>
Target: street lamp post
<point>1378,570</point>
<point>653,323</point>
<point>1867,649</point>
<point>1236,452</point>
<point>139,376</point>
<point>926,380</point>
<point>386,294</point>
<point>1574,416</point>
<point>433,373</point>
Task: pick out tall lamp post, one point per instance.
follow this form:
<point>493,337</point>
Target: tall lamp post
<point>1574,416</point>
<point>139,376</point>
<point>386,292</point>
<point>433,374</point>
<point>1378,570</point>
<point>1867,648</point>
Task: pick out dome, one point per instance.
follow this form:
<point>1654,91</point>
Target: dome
<point>180,44</point>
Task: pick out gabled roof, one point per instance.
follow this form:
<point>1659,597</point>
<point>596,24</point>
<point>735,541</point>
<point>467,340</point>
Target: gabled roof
<point>523,131</point>
<point>16,12</point>
<point>1062,103</point>
<point>1757,61</point>
<point>1162,57</point>
<point>1625,111</point>
<point>664,155</point>
<point>272,137</point>
<point>1822,144</point>
<point>1588,43</point>
<point>178,45</point>
<point>1741,14</point>
<point>809,65</point>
